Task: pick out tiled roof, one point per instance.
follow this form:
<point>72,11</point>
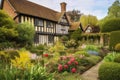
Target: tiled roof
<point>33,9</point>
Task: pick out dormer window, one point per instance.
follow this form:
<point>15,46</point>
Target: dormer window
<point>39,22</point>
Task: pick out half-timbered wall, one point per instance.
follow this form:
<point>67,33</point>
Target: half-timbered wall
<point>46,31</point>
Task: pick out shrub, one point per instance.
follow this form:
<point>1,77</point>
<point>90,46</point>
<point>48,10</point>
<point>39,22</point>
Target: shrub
<point>110,57</point>
<point>23,61</point>
<point>36,72</point>
<point>109,71</point>
<point>84,53</point>
<point>91,47</point>
<point>71,44</point>
<point>114,39</point>
<point>93,59</point>
<point>117,58</point>
<point>111,25</point>
<point>117,47</point>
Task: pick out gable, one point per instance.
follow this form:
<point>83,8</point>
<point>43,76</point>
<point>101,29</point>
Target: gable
<point>64,20</point>
<point>7,7</point>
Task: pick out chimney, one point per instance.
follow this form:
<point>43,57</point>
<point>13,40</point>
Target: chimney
<point>63,7</point>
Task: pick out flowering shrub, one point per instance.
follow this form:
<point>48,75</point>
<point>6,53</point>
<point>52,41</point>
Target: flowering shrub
<point>23,61</point>
<point>68,63</point>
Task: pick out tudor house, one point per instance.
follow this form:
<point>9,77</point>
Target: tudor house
<point>49,24</point>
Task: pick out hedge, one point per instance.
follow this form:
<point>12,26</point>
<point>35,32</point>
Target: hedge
<point>109,71</point>
<point>114,39</point>
<point>111,25</point>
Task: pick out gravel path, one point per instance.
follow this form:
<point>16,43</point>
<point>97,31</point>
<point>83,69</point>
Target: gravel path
<point>91,74</point>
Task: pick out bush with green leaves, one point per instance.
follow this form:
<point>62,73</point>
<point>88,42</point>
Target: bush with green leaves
<point>26,34</point>
<point>117,58</point>
<point>76,35</point>
<point>111,25</point>
<point>8,32</point>
<point>83,53</point>
<point>117,47</point>
<point>36,72</point>
<point>114,39</point>
<point>109,71</point>
<point>71,44</point>
<point>110,57</point>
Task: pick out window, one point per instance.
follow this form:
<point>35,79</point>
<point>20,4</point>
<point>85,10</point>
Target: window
<point>39,22</point>
<point>49,24</point>
<point>36,38</point>
<point>50,38</point>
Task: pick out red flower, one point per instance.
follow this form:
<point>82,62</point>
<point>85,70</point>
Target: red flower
<point>60,67</point>
<point>76,62</point>
<point>69,62</point>
<point>73,70</point>
<point>45,55</point>
<point>65,66</point>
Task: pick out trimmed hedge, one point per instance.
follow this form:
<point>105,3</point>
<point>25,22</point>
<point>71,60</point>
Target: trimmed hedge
<point>114,39</point>
<point>109,71</point>
<point>111,25</point>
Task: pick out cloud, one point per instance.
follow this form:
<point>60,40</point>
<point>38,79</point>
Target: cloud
<point>95,7</point>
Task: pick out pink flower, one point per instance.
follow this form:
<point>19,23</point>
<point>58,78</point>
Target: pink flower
<point>65,66</point>
<point>69,63</point>
<point>76,62</point>
<point>64,57</point>
<point>72,59</point>
<point>60,67</point>
<point>73,70</point>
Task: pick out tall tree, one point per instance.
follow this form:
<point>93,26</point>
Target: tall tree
<point>88,19</point>
<point>7,28</point>
<point>114,10</point>
<point>74,15</point>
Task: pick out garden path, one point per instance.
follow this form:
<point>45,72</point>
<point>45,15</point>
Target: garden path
<point>92,73</point>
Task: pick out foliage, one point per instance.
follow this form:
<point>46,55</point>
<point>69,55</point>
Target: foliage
<point>111,25</point>
<point>23,61</point>
<point>68,63</point>
<point>64,38</point>
<point>82,53</point>
<point>91,47</point>
<point>110,57</point>
<point>76,35</point>
<point>71,44</point>
<point>74,15</point>
<point>8,31</point>
<point>37,49</point>
<point>114,10</point>
<point>88,20</point>
<point>117,47</point>
<point>114,39</point>
<point>93,59</point>
<point>109,71</point>
<point>117,58</point>
<point>36,72</point>
<point>6,56</point>
<point>26,34</point>
<point>58,47</point>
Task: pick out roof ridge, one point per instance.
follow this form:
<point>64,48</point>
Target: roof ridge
<point>41,6</point>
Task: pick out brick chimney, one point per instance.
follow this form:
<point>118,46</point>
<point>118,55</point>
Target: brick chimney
<point>63,7</point>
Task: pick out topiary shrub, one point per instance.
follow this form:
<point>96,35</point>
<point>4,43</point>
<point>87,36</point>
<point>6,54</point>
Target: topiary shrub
<point>114,39</point>
<point>109,71</point>
<point>117,47</point>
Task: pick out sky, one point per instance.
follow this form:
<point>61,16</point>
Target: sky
<point>98,8</point>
